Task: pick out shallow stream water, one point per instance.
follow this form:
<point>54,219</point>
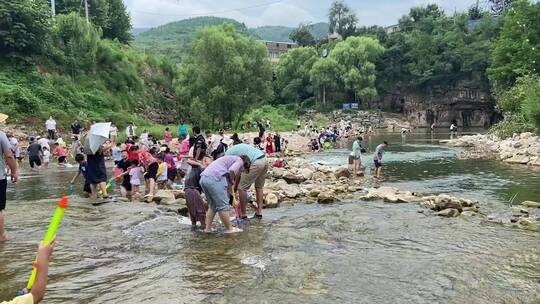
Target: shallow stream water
<point>355,252</point>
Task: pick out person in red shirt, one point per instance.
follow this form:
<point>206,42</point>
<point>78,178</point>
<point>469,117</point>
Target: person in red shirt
<point>151,167</point>
<point>61,153</point>
<point>269,141</point>
<point>131,155</point>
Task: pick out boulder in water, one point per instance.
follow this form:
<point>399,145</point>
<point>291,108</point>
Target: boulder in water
<point>530,204</point>
<point>271,200</point>
<point>449,212</point>
<point>342,172</point>
<point>325,198</point>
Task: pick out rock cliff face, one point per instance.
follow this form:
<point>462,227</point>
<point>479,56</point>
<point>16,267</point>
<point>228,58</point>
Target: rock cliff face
<point>468,107</point>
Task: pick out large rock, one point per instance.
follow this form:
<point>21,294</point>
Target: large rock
<point>292,191</point>
<point>271,200</point>
<point>530,204</point>
<point>292,178</point>
<point>342,172</point>
<point>449,212</point>
<point>325,198</point>
<point>306,173</point>
<point>518,159</point>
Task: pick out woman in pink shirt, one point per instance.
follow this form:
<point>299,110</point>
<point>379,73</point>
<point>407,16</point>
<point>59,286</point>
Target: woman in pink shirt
<point>61,153</point>
<point>167,136</point>
<point>151,167</point>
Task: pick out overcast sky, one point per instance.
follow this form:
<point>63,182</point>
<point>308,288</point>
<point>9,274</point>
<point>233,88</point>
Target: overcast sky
<point>150,13</point>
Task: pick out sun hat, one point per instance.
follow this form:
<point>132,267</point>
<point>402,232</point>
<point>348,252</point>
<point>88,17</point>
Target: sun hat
<point>3,117</point>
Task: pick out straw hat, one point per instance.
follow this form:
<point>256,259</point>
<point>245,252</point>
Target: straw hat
<point>3,117</point>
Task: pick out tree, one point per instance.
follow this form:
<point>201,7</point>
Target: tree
<point>342,19</point>
<point>24,27</point>
<point>325,75</point>
<point>79,41</point>
<point>302,35</point>
<point>293,75</point>
<point>517,50</point>
<point>119,24</point>
<point>109,15</point>
<point>356,57</point>
<point>224,76</point>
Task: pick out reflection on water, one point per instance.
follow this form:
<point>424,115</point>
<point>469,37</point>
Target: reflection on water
<point>356,252</point>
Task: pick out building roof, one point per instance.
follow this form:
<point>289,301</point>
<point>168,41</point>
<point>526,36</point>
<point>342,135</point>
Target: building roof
<point>284,42</point>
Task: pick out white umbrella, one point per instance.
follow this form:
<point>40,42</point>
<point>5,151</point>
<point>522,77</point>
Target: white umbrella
<point>97,136</point>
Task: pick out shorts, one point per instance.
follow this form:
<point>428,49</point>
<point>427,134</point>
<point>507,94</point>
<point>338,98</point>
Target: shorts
<point>61,159</point>
<point>256,175</point>
<point>171,174</point>
<point>97,176</point>
<point>3,190</point>
<point>152,171</point>
<point>216,192</point>
<point>126,184</point>
<point>34,161</point>
<point>378,163</point>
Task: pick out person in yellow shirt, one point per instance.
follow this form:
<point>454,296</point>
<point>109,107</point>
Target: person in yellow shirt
<point>38,290</point>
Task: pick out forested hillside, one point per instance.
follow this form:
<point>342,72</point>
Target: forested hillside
<point>174,39</point>
<point>281,33</point>
<point>67,68</point>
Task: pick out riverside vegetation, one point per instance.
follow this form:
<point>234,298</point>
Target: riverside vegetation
<point>68,68</point>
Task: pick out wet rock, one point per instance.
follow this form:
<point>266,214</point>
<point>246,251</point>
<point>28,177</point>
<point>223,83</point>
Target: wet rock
<point>325,198</point>
<point>514,219</point>
<point>314,193</point>
<point>292,191</point>
<point>271,201</point>
<point>525,222</point>
<point>449,212</point>
<point>292,178</point>
<point>447,202</point>
<point>468,213</point>
<point>306,173</point>
<point>517,211</point>
<point>518,159</point>
<point>277,172</point>
<point>342,172</point>
<point>530,204</point>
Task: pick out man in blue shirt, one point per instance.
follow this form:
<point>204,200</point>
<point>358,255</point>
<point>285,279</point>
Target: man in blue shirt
<point>256,175</point>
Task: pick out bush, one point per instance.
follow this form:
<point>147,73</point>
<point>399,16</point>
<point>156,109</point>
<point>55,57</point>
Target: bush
<point>512,123</point>
<point>530,106</point>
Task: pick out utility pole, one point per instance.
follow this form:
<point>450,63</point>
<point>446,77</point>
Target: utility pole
<point>53,9</point>
<point>86,10</point>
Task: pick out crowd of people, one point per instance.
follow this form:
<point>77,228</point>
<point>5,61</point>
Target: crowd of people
<point>220,168</point>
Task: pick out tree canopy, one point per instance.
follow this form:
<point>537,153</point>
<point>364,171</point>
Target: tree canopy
<point>302,35</point>
<point>342,19</point>
<point>224,76</point>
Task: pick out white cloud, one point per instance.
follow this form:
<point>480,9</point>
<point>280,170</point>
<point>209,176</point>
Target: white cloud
<point>150,13</point>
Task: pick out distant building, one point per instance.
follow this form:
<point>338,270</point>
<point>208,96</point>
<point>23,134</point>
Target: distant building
<point>277,48</point>
<point>392,29</point>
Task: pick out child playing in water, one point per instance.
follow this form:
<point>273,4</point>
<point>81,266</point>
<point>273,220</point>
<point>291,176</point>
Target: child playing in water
<point>83,170</point>
<point>192,189</point>
<point>135,173</point>
<point>162,172</point>
<point>38,290</point>
<point>46,157</point>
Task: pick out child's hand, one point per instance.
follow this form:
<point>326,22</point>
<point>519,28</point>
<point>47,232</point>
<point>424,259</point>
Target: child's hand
<point>45,251</point>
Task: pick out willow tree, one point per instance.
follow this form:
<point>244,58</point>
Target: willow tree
<point>224,76</point>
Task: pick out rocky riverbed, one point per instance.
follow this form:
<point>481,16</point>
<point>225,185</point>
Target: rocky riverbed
<point>305,182</point>
<point>521,148</point>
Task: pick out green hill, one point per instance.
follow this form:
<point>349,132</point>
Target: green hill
<point>173,39</point>
<point>281,33</point>
<point>273,33</point>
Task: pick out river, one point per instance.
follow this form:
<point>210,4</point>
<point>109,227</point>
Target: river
<point>356,252</point>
